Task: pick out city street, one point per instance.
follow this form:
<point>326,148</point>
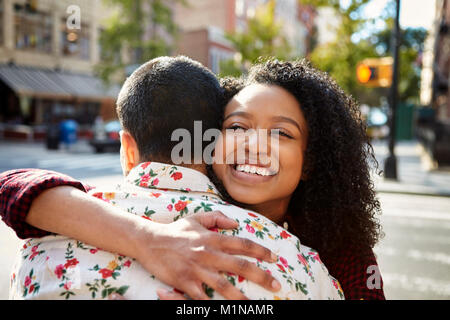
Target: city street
<point>414,255</point>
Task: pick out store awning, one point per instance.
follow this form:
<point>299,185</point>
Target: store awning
<point>52,84</point>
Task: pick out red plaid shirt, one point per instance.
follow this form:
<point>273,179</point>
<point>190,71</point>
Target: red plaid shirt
<point>18,189</point>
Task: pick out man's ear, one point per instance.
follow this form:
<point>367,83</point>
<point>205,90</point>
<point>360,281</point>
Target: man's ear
<point>129,153</point>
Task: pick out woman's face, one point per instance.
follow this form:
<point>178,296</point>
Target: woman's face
<point>261,175</point>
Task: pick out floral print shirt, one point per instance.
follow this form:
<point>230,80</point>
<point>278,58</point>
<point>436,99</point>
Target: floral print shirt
<point>57,267</point>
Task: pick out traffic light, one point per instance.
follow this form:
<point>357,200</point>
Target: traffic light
<point>375,72</point>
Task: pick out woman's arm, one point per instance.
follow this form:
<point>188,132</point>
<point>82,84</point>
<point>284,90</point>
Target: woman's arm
<point>183,254</point>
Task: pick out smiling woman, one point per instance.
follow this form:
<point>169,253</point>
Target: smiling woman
<point>268,108</point>
<point>322,185</point>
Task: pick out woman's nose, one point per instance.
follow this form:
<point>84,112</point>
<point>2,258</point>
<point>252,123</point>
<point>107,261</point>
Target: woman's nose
<point>257,145</point>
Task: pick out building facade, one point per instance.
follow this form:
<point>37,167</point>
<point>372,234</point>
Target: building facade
<point>204,23</point>
<point>48,50</point>
<point>434,125</point>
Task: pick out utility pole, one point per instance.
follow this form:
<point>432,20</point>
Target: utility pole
<point>390,164</point>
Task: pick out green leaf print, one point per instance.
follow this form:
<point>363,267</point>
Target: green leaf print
<point>206,206</point>
<point>148,212</point>
<point>302,287</point>
<point>209,291</point>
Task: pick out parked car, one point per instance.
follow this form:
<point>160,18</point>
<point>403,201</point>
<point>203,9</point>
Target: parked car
<point>106,136</point>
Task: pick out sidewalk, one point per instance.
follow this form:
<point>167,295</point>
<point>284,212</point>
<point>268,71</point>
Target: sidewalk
<point>413,169</point>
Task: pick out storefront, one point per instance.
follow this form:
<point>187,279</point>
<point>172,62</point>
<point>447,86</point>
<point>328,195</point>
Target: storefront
<point>35,98</point>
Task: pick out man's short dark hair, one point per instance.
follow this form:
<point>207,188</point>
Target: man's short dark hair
<point>163,95</point>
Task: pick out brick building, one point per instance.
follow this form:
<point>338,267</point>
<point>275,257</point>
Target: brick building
<point>47,57</point>
<point>204,23</point>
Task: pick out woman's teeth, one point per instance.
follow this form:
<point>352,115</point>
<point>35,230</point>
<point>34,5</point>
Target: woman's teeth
<point>254,169</point>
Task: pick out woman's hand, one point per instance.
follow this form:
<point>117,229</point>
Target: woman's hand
<point>185,254</point>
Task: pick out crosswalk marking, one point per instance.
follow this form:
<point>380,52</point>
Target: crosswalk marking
<point>429,256</point>
<point>416,284</point>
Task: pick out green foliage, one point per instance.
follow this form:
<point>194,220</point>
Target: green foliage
<point>339,58</point>
<point>412,43</point>
<point>131,35</point>
<point>262,39</point>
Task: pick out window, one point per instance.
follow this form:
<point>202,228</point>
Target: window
<point>33,28</point>
<point>216,56</point>
<point>240,8</point>
<point>75,42</point>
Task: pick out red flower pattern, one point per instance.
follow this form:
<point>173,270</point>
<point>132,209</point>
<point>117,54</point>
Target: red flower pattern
<point>180,205</point>
<point>281,267</point>
<point>27,281</point>
<point>284,262</point>
<point>106,273</point>
<point>71,263</point>
<point>127,263</point>
<point>284,235</point>
<point>177,176</point>
<point>145,165</point>
<point>250,228</point>
<point>59,270</point>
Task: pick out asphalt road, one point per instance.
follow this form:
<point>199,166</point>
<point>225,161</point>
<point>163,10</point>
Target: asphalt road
<point>414,255</point>
<point>79,161</point>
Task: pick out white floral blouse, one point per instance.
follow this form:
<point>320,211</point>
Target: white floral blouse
<point>57,267</point>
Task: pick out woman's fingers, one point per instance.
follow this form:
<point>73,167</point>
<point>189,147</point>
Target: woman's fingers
<point>233,245</point>
<point>247,270</point>
<point>165,294</point>
<point>215,219</point>
<point>246,247</point>
<point>192,287</point>
<point>220,284</point>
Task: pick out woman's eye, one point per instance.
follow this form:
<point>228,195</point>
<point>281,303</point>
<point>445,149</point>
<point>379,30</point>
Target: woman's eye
<point>281,133</point>
<point>236,128</point>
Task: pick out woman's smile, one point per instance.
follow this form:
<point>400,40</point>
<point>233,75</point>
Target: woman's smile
<point>251,174</point>
<point>262,147</point>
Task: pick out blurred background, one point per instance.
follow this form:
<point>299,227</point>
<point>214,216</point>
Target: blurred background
<point>62,63</point>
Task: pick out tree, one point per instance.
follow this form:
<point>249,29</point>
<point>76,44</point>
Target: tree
<point>411,47</point>
<point>262,39</point>
<point>339,58</point>
<point>139,30</point>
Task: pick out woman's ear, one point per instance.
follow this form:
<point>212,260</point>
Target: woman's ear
<point>129,153</point>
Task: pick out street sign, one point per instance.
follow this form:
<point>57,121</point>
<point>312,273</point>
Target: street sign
<point>375,72</point>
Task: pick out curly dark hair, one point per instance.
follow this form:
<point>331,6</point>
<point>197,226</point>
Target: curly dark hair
<point>335,207</point>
